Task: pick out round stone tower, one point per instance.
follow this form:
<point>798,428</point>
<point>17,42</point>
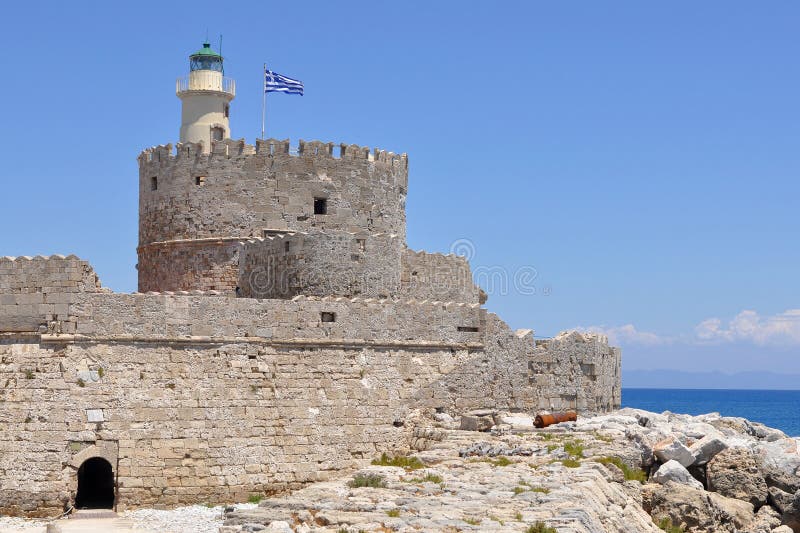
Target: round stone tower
<point>206,97</point>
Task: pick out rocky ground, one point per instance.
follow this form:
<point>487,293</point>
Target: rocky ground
<point>628,471</point>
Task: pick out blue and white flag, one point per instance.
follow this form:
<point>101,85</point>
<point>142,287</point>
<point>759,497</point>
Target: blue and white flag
<point>276,83</point>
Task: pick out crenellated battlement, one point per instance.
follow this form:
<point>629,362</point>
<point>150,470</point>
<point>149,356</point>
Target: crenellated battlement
<point>167,154</point>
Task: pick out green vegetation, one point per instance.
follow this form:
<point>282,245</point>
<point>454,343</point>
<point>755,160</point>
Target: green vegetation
<point>666,525</point>
<point>604,438</point>
<point>631,474</point>
<point>542,490</point>
<point>519,490</point>
<point>101,372</point>
<point>81,383</point>
<point>518,516</point>
<point>540,527</point>
<point>571,463</point>
<point>28,419</point>
<point>574,449</point>
<point>552,447</point>
<point>547,436</point>
<point>28,373</point>
<point>367,480</point>
<point>394,513</point>
<point>427,478</point>
<point>472,521</point>
<point>409,463</point>
<point>492,517</point>
<point>501,461</point>
<point>171,386</point>
<point>255,498</point>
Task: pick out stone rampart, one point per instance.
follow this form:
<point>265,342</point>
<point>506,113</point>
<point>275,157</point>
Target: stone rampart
<point>201,397</point>
<point>321,263</point>
<point>202,264</point>
<point>438,277</point>
<point>35,292</point>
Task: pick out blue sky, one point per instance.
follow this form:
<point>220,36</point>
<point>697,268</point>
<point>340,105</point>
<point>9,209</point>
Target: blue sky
<point>641,158</point>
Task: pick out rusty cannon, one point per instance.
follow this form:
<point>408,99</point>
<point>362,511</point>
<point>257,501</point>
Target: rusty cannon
<point>544,420</point>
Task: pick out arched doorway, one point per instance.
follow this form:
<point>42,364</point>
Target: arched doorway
<point>95,485</point>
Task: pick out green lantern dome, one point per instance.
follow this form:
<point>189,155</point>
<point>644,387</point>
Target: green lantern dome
<point>205,59</point>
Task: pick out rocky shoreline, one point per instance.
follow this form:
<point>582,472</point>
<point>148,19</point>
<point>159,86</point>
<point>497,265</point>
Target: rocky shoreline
<point>627,471</point>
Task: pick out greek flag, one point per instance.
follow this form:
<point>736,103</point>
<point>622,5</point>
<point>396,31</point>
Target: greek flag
<point>277,83</point>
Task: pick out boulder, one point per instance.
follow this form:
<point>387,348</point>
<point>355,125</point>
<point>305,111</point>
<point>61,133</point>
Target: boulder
<point>782,529</point>
<point>788,505</point>
<point>780,464</point>
<point>670,449</point>
<point>706,448</point>
<point>674,471</point>
<point>767,519</point>
<point>699,511</point>
<point>476,423</point>
<point>734,473</point>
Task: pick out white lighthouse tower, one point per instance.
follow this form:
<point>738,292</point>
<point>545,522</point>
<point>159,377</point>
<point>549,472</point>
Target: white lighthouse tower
<point>206,97</point>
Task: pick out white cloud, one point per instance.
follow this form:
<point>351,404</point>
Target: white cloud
<point>628,334</point>
<point>782,329</point>
<point>749,326</point>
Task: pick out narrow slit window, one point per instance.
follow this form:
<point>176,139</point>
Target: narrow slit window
<point>154,183</point>
<point>328,316</point>
<point>199,180</point>
<point>286,246</point>
<point>320,206</point>
<point>362,244</point>
<point>472,329</point>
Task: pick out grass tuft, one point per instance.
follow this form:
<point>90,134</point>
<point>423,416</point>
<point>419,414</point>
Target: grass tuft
<point>571,463</point>
<point>81,383</point>
<point>394,513</point>
<point>255,498</point>
<point>540,527</point>
<point>427,478</point>
<point>501,461</point>
<point>473,521</point>
<point>409,463</point>
<point>374,481</point>
<point>631,474</point>
<point>665,524</point>
<point>574,449</point>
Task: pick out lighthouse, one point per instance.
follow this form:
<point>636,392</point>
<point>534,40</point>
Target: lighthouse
<point>206,99</point>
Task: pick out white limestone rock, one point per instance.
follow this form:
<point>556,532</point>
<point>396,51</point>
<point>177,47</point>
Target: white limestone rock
<point>706,448</point>
<point>674,471</point>
<point>672,449</point>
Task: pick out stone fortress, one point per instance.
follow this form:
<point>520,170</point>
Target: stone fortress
<point>283,331</point>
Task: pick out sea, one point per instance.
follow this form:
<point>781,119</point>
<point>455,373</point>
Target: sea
<point>775,408</point>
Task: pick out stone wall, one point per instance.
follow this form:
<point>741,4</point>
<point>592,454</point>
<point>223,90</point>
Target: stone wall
<point>427,276</point>
<point>321,263</point>
<point>204,265</point>
<point>35,292</point>
<point>577,371</point>
<point>239,191</point>
<point>196,397</point>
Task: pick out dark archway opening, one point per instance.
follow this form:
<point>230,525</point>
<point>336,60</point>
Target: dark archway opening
<point>95,485</point>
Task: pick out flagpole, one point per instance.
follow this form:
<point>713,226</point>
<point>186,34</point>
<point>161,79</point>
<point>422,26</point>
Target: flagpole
<point>263,101</point>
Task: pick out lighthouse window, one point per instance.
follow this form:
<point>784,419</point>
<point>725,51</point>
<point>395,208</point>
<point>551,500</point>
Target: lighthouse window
<point>320,206</point>
<point>226,110</point>
<point>217,133</point>
<point>154,183</point>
